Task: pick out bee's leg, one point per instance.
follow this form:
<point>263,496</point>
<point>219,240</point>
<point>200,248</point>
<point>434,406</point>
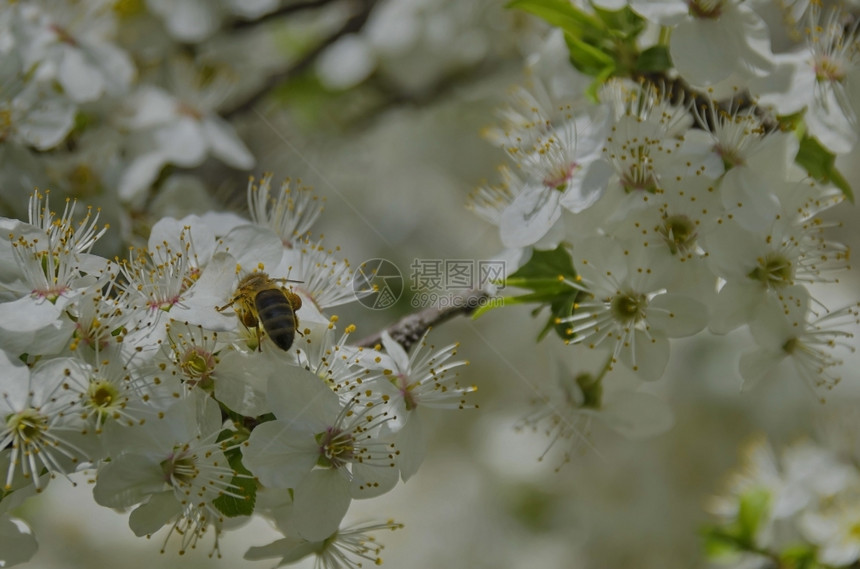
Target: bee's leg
<point>259,340</point>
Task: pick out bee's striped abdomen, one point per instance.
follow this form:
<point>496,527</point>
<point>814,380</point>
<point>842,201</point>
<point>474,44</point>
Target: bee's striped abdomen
<point>277,315</point>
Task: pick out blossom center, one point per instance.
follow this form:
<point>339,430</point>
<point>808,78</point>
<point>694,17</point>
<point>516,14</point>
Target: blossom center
<point>179,468</point>
<point>63,35</point>
<point>828,69</point>
<point>629,307</point>
<point>336,448</point>
<point>197,364</point>
<point>187,110</point>
<point>406,391</point>
<point>102,395</point>
<point>560,176</point>
<point>773,270</point>
<point>731,157</point>
<point>89,335</point>
<point>705,9</point>
<point>679,232</point>
<point>27,425</point>
<point>638,171</point>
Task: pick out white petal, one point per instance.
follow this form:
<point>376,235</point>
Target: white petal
<point>346,63</point>
<point>818,528</point>
<point>757,365</point>
<point>140,175</point>
<point>287,550</point>
<point>791,85</point>
<point>280,455</point>
<point>396,352</point>
<point>700,145</point>
<point>300,396</point>
<point>412,445</point>
<point>777,321</point>
<point>241,383</point>
<point>371,481</point>
<point>735,305</point>
<point>695,55</point>
<point>150,517</point>
<point>253,246</point>
<point>637,414</point>
<point>532,213</point>
<point>188,20</point>
<point>166,233</point>
<point>183,142</point>
<point>677,315</point>
<point>47,121</point>
<point>128,480</point>
<point>28,314</point>
<point>226,144</point>
<point>828,122</point>
<point>841,553</point>
<point>746,194</point>
<point>19,544</point>
<point>647,356</point>
<point>116,67</point>
<point>151,107</point>
<point>594,257</point>
<point>323,499</point>
<point>14,384</point>
<point>586,188</point>
<point>663,12</point>
<point>81,81</point>
<point>733,251</point>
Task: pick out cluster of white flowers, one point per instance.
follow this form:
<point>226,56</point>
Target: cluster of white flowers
<point>203,378</point>
<point>680,201</point>
<point>74,82</point>
<point>800,509</point>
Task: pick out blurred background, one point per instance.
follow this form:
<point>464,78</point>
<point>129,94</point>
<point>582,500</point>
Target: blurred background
<point>385,122</point>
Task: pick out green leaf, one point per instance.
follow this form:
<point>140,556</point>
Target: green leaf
<point>587,58</point>
<point>754,508</point>
<point>560,13</point>
<point>244,485</point>
<point>546,275</point>
<point>547,265</point>
<point>624,23</point>
<point>821,165</point>
<point>654,60</point>
<point>799,557</point>
<point>719,543</point>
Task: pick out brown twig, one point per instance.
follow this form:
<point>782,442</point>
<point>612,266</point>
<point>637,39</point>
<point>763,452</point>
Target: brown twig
<point>411,328</point>
<point>352,25</point>
<point>280,12</point>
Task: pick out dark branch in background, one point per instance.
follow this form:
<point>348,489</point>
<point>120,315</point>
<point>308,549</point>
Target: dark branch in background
<point>280,12</point>
<point>351,26</point>
<point>391,96</point>
<point>410,329</point>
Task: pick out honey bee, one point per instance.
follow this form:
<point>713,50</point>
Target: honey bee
<point>260,300</point>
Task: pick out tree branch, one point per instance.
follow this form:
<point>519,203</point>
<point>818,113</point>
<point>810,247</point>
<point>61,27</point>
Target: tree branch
<point>411,328</point>
<point>354,24</point>
<point>280,12</point>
